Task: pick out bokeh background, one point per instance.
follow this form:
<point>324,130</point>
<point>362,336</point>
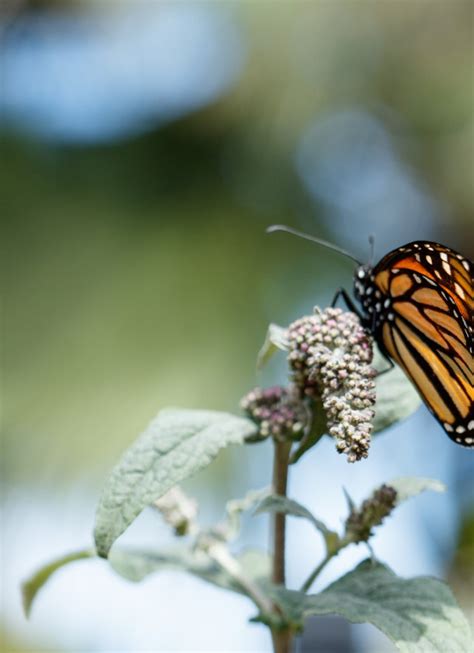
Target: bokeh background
<point>145,148</point>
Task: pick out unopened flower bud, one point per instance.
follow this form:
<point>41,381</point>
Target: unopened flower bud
<point>279,412</point>
<point>372,512</point>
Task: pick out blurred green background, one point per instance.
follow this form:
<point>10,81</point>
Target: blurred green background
<point>136,270</point>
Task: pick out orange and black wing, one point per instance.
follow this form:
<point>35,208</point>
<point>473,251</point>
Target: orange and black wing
<point>428,329</point>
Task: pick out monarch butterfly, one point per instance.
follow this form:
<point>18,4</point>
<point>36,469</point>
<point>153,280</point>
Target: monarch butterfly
<point>417,302</point>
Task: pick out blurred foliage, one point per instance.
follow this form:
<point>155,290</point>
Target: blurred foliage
<point>410,62</point>
<point>461,574</point>
<point>122,297</point>
<point>138,274</point>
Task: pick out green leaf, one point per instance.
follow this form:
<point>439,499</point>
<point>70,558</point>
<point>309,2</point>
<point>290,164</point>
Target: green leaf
<point>396,395</point>
<point>276,339</point>
<point>256,564</point>
<point>32,586</point>
<point>349,500</point>
<point>230,528</point>
<point>176,445</point>
<point>410,486</point>
<point>318,428</point>
<point>418,614</point>
<point>276,503</point>
<point>135,565</point>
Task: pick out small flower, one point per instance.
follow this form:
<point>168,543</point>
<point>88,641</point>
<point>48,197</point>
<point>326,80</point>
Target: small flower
<point>330,355</point>
<point>372,512</point>
<point>178,510</point>
<point>279,412</point>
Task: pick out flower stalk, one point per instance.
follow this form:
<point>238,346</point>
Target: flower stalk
<point>281,637</point>
<point>221,554</point>
<point>359,525</point>
<point>315,573</point>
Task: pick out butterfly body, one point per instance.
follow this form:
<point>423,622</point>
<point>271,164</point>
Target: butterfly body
<point>418,303</point>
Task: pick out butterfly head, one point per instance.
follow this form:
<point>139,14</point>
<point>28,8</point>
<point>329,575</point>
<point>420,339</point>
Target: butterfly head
<point>376,305</point>
<point>363,283</point>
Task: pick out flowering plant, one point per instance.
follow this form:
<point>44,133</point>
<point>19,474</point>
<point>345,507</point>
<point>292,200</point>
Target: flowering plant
<point>333,389</point>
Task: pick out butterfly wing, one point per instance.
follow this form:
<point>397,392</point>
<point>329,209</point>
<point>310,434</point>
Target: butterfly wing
<point>427,329</point>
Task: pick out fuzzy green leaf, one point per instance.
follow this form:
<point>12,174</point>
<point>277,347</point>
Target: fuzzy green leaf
<point>176,445</point>
<point>418,615</point>
<point>275,340</point>
<point>230,528</point>
<point>396,396</point>
<point>135,565</point>
<point>276,503</point>
<point>32,586</point>
<point>410,486</point>
<point>318,428</point>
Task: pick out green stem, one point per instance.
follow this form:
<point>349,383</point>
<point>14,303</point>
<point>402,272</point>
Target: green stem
<point>219,552</point>
<point>281,637</point>
<point>314,574</point>
<point>329,556</point>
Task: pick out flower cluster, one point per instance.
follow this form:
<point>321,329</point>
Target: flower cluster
<point>279,412</point>
<point>372,512</point>
<point>330,355</point>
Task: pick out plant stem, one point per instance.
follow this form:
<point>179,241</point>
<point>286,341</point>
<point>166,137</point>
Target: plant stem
<point>315,573</point>
<point>312,577</point>
<point>280,478</point>
<point>219,552</point>
<point>281,637</point>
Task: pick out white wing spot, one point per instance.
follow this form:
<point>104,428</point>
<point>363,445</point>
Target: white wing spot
<point>459,290</point>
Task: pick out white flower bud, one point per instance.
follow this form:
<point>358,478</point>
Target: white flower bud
<point>330,354</point>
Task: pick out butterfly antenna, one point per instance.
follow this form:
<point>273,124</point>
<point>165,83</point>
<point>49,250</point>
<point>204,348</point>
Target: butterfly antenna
<point>372,249</point>
<point>282,227</point>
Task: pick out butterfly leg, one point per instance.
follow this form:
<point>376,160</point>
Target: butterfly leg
<point>341,292</point>
<point>390,362</point>
<point>390,367</point>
